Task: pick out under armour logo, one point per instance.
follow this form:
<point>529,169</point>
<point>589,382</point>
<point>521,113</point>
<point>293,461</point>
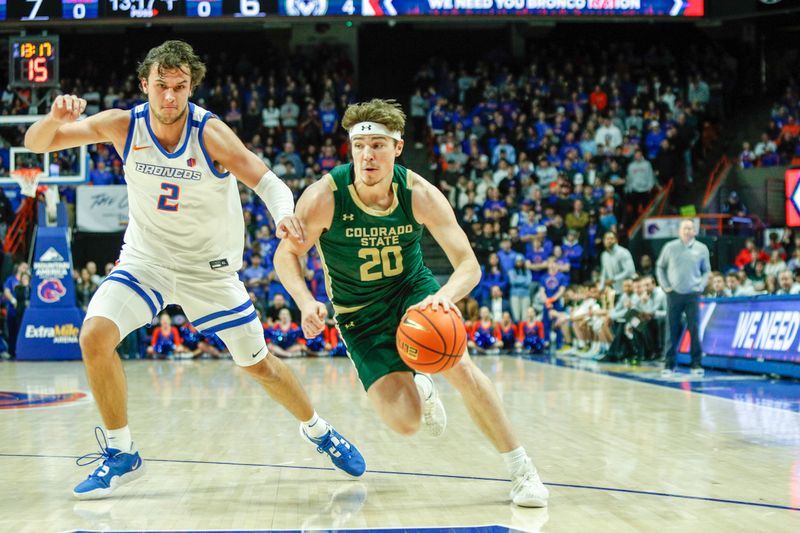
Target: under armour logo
<point>348,216</point>
<point>350,325</point>
<point>365,127</point>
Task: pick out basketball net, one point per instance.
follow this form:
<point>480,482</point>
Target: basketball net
<point>27,179</point>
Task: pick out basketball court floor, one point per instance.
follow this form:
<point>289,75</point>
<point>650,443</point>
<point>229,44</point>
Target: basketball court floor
<point>620,451</point>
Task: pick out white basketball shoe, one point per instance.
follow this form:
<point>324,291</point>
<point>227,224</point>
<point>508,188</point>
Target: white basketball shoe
<point>527,489</point>
<point>434,416</point>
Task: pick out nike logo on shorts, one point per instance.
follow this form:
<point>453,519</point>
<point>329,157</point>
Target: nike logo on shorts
<point>254,355</point>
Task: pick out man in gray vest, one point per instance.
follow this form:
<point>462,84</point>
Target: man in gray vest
<point>683,269</point>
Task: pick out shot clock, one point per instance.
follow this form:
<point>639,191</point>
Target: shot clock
<point>33,61</point>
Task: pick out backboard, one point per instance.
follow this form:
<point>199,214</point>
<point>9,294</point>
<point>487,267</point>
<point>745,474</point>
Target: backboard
<point>66,167</point>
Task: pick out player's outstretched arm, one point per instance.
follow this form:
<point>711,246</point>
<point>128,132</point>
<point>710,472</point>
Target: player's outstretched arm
<point>433,210</point>
<point>315,212</point>
<point>227,150</point>
<point>61,129</point>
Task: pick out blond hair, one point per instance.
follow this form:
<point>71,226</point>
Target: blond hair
<point>386,112</point>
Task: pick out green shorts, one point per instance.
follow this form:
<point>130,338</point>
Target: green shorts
<point>369,333</point>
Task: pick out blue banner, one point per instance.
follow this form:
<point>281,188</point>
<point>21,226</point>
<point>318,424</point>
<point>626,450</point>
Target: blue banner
<point>52,322</point>
<point>765,328</point>
<point>559,8</point>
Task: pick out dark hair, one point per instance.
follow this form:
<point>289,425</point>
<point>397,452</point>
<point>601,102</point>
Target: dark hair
<point>173,55</point>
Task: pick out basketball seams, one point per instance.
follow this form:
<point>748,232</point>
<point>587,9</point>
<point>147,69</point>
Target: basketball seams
<point>443,360</point>
<point>418,344</point>
<point>452,357</point>
<point>434,327</point>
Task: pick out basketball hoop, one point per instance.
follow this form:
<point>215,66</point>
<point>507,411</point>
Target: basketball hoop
<point>27,179</point>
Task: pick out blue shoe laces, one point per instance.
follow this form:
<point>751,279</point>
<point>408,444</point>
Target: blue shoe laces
<point>103,454</point>
<point>327,443</point>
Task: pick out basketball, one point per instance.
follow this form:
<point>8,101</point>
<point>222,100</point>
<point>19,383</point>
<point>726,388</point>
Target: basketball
<point>431,341</point>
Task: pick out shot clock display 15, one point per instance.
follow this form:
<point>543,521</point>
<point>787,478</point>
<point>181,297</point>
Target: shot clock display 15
<point>33,61</point>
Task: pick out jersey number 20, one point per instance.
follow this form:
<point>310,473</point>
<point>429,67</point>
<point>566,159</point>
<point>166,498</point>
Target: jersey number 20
<point>383,258</point>
<point>169,200</point>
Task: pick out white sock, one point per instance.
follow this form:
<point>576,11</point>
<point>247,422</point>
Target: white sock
<point>316,426</point>
<point>424,385</point>
<point>120,439</point>
<point>515,461</point>
<point>580,344</point>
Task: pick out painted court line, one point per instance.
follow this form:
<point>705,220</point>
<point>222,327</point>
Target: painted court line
<point>444,476</point>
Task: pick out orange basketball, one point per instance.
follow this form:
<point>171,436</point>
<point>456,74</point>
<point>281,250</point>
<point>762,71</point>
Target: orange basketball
<point>431,341</point>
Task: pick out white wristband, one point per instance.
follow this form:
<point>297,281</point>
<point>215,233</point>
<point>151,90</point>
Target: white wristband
<point>276,194</point>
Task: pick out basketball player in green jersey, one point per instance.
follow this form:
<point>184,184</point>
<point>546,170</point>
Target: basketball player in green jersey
<point>366,219</point>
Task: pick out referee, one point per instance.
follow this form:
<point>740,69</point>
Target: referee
<point>683,269</point>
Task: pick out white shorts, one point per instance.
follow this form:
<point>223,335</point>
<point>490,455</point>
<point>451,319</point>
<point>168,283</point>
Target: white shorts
<point>214,302</point>
<point>597,323</point>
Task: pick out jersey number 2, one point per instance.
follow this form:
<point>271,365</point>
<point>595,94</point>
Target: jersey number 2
<point>169,200</point>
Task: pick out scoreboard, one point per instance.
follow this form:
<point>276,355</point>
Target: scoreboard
<point>55,10</point>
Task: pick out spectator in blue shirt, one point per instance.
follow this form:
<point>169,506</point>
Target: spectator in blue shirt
<point>504,146</point>
<point>328,116</point>
<point>519,281</point>
<point>537,257</point>
<point>268,243</point>
<point>255,277</point>
<point>438,117</point>
<point>573,251</point>
<point>507,256</point>
<point>100,175</point>
<point>553,285</point>
<point>541,125</point>
<point>10,302</point>
<point>652,141</point>
<point>491,275</point>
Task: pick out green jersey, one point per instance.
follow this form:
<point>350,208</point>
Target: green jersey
<point>369,255</point>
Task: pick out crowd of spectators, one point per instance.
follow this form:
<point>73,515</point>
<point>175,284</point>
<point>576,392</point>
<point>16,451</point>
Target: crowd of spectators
<point>779,143</point>
<point>608,126</point>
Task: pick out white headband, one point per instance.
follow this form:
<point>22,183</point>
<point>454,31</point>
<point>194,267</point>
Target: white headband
<point>373,128</point>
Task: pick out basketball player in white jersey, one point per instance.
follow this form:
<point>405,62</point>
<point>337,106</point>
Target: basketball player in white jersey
<point>183,245</point>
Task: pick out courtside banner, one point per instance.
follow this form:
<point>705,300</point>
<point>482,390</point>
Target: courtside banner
<point>762,327</point>
<point>666,227</point>
<point>793,197</point>
<point>51,323</point>
<point>101,209</point>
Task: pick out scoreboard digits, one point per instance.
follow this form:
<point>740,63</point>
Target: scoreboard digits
<point>50,10</point>
<point>33,61</point>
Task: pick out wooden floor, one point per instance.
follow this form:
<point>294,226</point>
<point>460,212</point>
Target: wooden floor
<point>618,455</point>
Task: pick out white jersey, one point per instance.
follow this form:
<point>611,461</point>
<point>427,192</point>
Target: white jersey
<point>184,213</point>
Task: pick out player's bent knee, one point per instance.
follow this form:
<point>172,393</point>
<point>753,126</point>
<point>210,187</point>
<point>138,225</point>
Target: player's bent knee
<point>264,370</point>
<point>99,336</point>
<point>246,344</point>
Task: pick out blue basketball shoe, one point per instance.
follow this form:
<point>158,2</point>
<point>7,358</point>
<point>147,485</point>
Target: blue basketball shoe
<point>344,455</point>
<point>117,469</point>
